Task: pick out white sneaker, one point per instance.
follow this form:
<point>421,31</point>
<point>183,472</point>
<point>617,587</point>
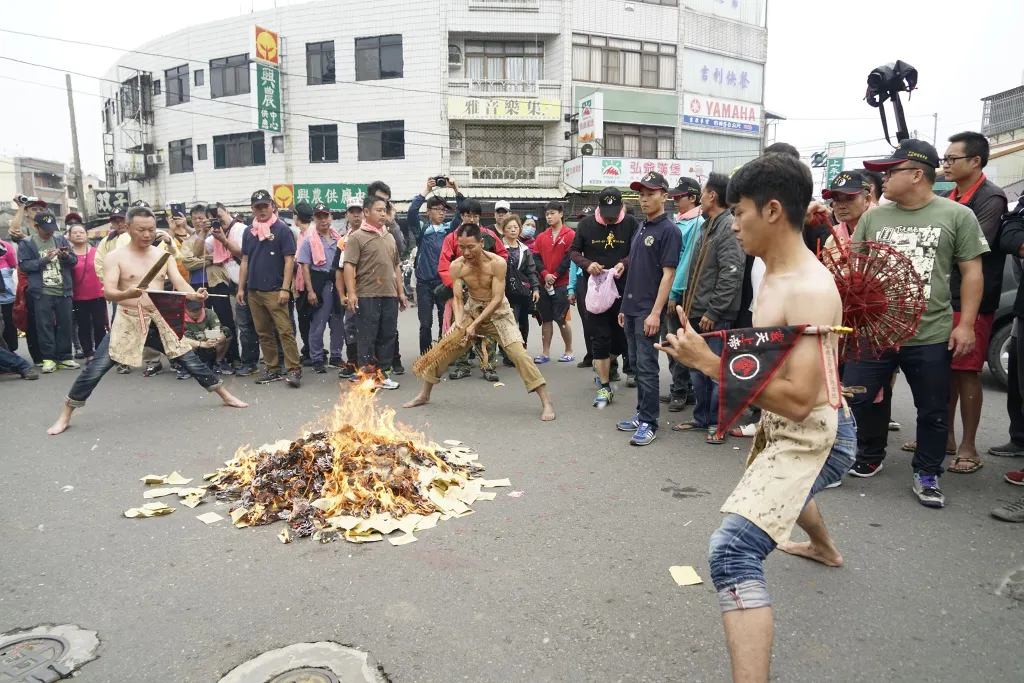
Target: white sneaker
<point>388,383</point>
<point>67,365</point>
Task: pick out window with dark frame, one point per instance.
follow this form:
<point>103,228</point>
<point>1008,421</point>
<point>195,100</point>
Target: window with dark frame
<point>179,153</point>
<point>229,76</point>
<point>320,63</point>
<point>239,150</point>
<point>323,144</point>
<point>510,61</point>
<point>177,85</point>
<point>379,58</point>
<point>200,77</point>
<point>618,61</point>
<point>201,152</point>
<point>156,87</point>
<point>381,140</point>
<point>644,142</point>
<point>109,112</point>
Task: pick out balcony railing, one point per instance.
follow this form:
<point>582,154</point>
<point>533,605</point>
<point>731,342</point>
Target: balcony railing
<point>479,176</point>
<point>506,5</point>
<point>471,87</point>
<point>1003,112</point>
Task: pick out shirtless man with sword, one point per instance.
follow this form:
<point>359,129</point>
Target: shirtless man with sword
<point>487,308</point>
<point>137,322</point>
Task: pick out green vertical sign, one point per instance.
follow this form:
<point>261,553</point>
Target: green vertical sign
<point>268,98</point>
<point>833,167</point>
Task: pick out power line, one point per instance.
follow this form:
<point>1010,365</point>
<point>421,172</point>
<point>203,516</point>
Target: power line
<point>368,84</point>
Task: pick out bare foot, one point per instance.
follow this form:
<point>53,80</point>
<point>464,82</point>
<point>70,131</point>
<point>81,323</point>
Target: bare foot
<point>827,556</point>
<point>232,402</point>
<point>62,423</point>
<point>549,413</point>
<point>420,400</point>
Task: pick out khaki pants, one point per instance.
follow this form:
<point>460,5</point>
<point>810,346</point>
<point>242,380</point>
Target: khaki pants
<point>502,325</point>
<point>268,313</point>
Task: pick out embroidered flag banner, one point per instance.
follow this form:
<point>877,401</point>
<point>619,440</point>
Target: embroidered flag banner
<point>750,358</point>
<point>171,306</point>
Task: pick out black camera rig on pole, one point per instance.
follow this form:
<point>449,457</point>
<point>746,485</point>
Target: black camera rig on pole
<point>886,82</point>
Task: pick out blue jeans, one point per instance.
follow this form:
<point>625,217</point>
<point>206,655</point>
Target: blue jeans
<point>643,360</point>
<point>248,340</point>
<point>425,305</point>
<point>927,369</point>
<point>331,312</point>
<point>12,362</point>
<point>739,547</point>
<point>101,364</point>
<point>705,413</point>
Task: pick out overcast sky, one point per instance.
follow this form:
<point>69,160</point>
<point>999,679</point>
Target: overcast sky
<point>819,55</point>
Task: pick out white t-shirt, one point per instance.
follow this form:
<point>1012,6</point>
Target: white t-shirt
<point>756,275</point>
<point>235,235</point>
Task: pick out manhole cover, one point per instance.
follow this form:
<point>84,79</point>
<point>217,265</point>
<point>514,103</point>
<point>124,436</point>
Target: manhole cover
<point>33,659</point>
<point>306,675</point>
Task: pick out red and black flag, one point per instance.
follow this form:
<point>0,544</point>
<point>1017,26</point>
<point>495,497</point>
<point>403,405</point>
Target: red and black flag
<point>750,358</point>
<point>170,305</point>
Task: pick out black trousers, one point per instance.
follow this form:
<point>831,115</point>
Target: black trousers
<point>304,312</point>
<point>222,307</point>
<point>53,326</point>
<point>31,336</point>
<point>10,335</point>
<point>1014,399</point>
<point>91,317</point>
<point>377,332</point>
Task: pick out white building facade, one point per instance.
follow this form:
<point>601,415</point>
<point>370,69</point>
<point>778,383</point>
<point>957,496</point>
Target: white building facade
<point>488,92</point>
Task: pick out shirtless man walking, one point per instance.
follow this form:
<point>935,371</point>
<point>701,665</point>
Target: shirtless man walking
<point>137,323</point>
<point>802,443</point>
<point>488,309</point>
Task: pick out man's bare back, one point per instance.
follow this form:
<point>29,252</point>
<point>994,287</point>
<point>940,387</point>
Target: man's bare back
<point>806,294</point>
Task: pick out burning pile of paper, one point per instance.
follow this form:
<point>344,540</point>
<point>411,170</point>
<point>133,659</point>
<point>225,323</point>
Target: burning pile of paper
<point>362,479</point>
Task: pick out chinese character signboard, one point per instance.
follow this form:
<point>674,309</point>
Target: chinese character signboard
<point>266,98</point>
<point>600,172</point>
<point>503,109</point>
<point>591,113</point>
<point>705,73</point>
<point>705,111</point>
<point>267,46</point>
<point>108,201</point>
<point>834,163</point>
<point>336,196</point>
<point>130,163</point>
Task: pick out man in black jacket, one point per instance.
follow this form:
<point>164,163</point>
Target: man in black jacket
<point>1011,241</point>
<point>965,158</point>
<point>602,244</point>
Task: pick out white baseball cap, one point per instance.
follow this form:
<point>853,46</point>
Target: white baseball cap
<point>498,206</point>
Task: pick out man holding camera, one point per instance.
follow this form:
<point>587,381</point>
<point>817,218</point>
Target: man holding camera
<point>48,260</point>
<point>429,239</point>
<point>19,228</point>
<point>207,252</point>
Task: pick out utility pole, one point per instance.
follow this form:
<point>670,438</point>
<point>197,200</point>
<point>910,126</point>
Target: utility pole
<point>935,130</point>
<point>79,190</point>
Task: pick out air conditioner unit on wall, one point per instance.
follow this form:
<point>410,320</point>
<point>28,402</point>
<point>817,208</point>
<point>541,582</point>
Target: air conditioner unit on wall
<point>155,159</point>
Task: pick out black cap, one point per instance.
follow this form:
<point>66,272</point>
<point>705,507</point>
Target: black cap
<point>260,197</point>
<point>119,212</point>
<point>847,182</point>
<point>652,181</point>
<point>609,203</point>
<point>46,221</point>
<point>908,150</point>
<point>304,211</point>
<point>685,187</point>
<point>320,207</point>
<point>587,211</point>
<point>140,202</point>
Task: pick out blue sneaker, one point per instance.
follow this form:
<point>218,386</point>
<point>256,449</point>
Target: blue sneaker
<point>225,368</point>
<point>643,435</point>
<point>629,425</point>
<point>604,397</point>
<point>247,370</point>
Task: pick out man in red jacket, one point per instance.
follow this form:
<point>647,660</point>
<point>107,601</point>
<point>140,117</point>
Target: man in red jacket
<point>552,246</point>
<point>470,211</point>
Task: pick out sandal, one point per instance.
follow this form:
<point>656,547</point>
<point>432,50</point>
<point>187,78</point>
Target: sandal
<point>912,448</point>
<point>713,439</point>
<point>540,360</point>
<point>974,466</point>
<point>689,426</point>
<point>746,431</point>
<point>566,358</point>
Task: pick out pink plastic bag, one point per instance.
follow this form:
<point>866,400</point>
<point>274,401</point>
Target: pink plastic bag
<point>601,291</point>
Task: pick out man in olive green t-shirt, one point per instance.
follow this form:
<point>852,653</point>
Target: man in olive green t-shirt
<point>936,234</point>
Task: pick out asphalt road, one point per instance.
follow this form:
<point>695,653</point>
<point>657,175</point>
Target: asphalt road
<point>569,582</point>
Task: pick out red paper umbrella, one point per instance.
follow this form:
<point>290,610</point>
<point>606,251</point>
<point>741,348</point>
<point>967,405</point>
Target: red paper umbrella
<point>883,296</point>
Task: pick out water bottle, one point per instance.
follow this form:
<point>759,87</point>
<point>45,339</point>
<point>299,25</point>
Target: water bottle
<point>549,289</point>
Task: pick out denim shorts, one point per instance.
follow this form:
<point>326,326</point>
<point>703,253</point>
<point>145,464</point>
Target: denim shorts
<point>739,547</point>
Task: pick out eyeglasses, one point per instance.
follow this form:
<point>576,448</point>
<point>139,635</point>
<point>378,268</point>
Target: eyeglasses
<point>887,173</point>
<point>950,160</point>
